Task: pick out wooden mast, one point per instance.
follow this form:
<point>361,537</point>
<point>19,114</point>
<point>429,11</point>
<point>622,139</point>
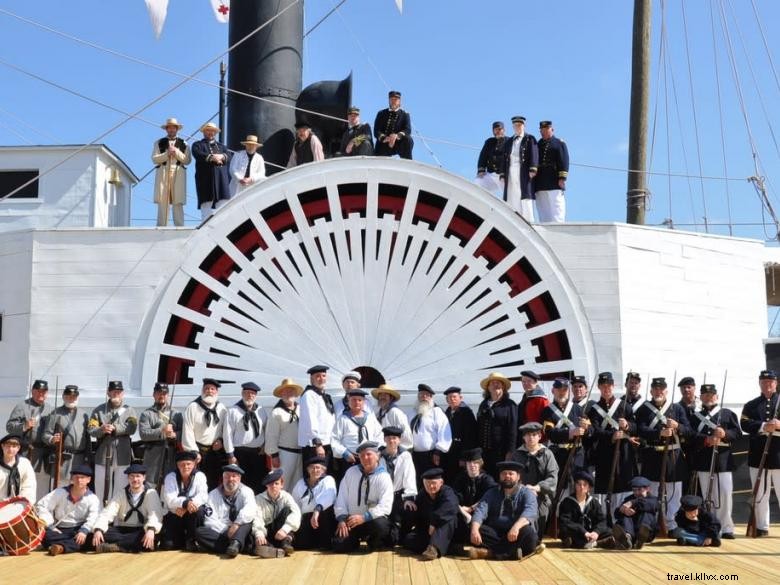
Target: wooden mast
<point>636,198</point>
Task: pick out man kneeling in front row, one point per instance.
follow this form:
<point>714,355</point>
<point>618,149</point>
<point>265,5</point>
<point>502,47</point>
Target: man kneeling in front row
<point>504,518</point>
<point>278,517</point>
<point>435,517</point>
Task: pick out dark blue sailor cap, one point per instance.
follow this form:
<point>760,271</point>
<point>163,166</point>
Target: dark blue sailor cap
<point>531,427</point>
<point>135,468</point>
<point>686,381</point>
<point>186,456</point>
<point>474,454</point>
<point>453,390</point>
<point>393,93</point>
<point>250,386</point>
<point>392,431</point>
<point>317,369</point>
<point>510,466</point>
<point>545,124</point>
<point>82,470</point>
<point>211,382</point>
<point>316,461</point>
<point>357,392</point>
<point>232,468</point>
<point>433,473</point>
<point>368,445</point>
<point>767,375</point>
<point>640,482</point>
<point>530,374</point>
<point>690,502</point>
<point>272,476</point>
<point>585,476</point>
<point>498,124</point>
<point>425,388</point>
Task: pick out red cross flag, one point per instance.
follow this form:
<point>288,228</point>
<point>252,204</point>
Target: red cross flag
<point>221,9</point>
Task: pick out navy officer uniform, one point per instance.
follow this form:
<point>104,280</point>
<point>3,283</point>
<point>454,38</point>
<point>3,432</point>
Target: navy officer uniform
<point>490,164</point>
<point>550,180</point>
<point>358,134</point>
<point>521,160</point>
<point>393,120</point>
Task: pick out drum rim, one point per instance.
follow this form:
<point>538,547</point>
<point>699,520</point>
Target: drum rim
<point>15,500</point>
<point>30,512</point>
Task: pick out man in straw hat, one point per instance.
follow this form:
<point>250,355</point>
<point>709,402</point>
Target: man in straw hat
<point>281,433</point>
<point>389,414</point>
<point>246,167</point>
<point>170,156</point>
<point>496,421</point>
<point>212,179</point>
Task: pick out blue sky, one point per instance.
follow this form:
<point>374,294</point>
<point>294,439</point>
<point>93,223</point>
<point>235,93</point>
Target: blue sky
<point>460,65</point>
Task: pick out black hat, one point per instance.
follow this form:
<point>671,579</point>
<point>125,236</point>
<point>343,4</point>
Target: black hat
<point>186,456</point>
<point>40,385</point>
<point>633,376</point>
<point>640,482</point>
<point>353,110</point>
<point>516,119</point>
<point>579,380</point>
<point>510,466</point>
<point>686,381</point>
<point>584,475</point>
<point>232,468</point>
<point>357,392</point>
<point>560,383</point>
<point>393,93</point>
<point>531,427</point>
<point>317,370</point>
<point>474,454</point>
<point>135,468</point>
<point>530,374</point>
<point>690,502</point>
<point>368,445</point>
<point>606,378</point>
<point>299,125</point>
<point>453,390</point>
<point>425,388</point>
<point>211,382</point>
<point>433,473</point>
<point>250,386</point>
<point>767,375</point>
<point>160,387</point>
<point>498,124</point>
<point>272,476</point>
<point>708,389</point>
<point>116,385</point>
<point>545,124</point>
<point>81,470</point>
<point>71,389</point>
<point>10,437</point>
<point>658,383</point>
<point>318,460</point>
<point>392,431</point>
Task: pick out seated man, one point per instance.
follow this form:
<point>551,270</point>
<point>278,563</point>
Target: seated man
<point>696,526</point>
<point>435,518</point>
<point>364,503</point>
<point>581,519</point>
<point>228,515</point>
<point>315,495</point>
<point>398,463</point>
<point>504,518</point>
<point>17,476</point>
<point>636,520</point>
<point>541,470</point>
<point>184,491</point>
<point>134,515</point>
<point>470,486</point>
<point>278,517</point>
<point>69,513</point>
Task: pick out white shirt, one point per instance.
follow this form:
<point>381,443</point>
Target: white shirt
<point>323,494</point>
<point>27,482</point>
<point>268,509</point>
<point>238,166</point>
<point>218,510</point>
<point>404,475</point>
<point>281,431</point>
<point>316,420</point>
<point>395,417</point>
<point>57,509</point>
<point>347,436</point>
<point>116,510</point>
<point>235,435</point>
<point>351,498</point>
<point>196,431</point>
<point>433,433</point>
<point>197,491</point>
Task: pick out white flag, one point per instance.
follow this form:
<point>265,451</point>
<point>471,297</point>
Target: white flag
<point>158,10</point>
<point>400,4</point>
<point>221,9</point>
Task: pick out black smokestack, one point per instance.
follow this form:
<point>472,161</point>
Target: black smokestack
<point>268,65</point>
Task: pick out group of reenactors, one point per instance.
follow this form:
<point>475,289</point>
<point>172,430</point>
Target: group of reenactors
<point>355,471</point>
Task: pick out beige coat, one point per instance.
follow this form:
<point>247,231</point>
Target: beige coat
<point>161,180</point>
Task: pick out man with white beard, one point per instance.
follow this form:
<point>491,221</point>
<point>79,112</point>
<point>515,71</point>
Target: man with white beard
<point>202,430</point>
<point>68,423</point>
<point>389,414</point>
<point>431,433</point>
<point>244,436</point>
<point>112,424</point>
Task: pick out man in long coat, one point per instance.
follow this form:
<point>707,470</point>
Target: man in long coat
<point>212,179</point>
<point>170,156</point>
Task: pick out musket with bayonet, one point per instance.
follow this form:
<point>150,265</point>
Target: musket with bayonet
<point>57,430</point>
<point>663,531</point>
<point>709,503</point>
<point>169,443</point>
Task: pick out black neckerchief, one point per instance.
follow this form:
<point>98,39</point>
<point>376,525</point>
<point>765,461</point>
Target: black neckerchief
<point>325,398</point>
<point>135,509</point>
<point>184,490</point>
<point>231,502</point>
<point>310,488</point>
<point>384,412</point>
<point>360,425</point>
<point>390,461</point>
<point>367,478</point>
<point>290,411</point>
<point>248,164</point>
<point>417,420</point>
<point>14,478</point>
<point>211,412</point>
<point>249,417</point>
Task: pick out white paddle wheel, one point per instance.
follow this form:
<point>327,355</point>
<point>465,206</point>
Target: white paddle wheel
<point>400,270</point>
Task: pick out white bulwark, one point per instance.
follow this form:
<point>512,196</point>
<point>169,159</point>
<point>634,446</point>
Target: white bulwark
<point>389,264</point>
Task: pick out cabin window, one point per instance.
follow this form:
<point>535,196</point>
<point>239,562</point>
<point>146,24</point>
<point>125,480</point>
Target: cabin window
<point>12,180</point>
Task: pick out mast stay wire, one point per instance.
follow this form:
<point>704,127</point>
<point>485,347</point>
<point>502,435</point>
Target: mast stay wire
<point>149,104</point>
<point>766,44</point>
<point>30,126</point>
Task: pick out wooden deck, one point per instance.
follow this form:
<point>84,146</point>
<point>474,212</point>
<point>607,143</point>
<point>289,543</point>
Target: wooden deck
<point>751,560</point>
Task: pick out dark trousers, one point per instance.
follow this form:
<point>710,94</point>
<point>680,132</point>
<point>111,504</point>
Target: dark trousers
<point>309,452</point>
<point>275,525</point>
<point>496,541</point>
<point>441,538</point>
<point>375,532</point>
<point>631,524</point>
<point>402,148</point>
<point>127,537</point>
<point>307,538</point>
<point>578,539</point>
<point>423,461</point>
<point>211,540</point>
<point>178,530</point>
<point>254,465</point>
<point>400,519</point>
<point>64,537</point>
<point>211,465</point>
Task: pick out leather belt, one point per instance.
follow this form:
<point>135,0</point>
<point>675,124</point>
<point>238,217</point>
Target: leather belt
<point>290,449</point>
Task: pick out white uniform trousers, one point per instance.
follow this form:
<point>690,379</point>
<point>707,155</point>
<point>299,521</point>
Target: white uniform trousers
<point>722,490</point>
<point>673,495</point>
<point>491,182</point>
<point>551,206</point>
<point>118,480</point>
<point>292,467</point>
<point>772,478</point>
<point>207,210</point>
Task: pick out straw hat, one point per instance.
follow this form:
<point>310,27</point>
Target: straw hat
<point>288,383</point>
<point>171,122</point>
<point>385,389</point>
<point>251,139</point>
<point>507,383</point>
<point>210,125</point>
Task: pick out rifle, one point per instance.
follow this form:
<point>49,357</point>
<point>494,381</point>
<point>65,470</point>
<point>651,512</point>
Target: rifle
<point>613,470</point>
<point>168,442</point>
<point>709,504</point>
<point>58,457</point>
<point>552,524</point>
<point>663,530</point>
<point>693,482</point>
<point>109,456</point>
<point>751,526</point>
